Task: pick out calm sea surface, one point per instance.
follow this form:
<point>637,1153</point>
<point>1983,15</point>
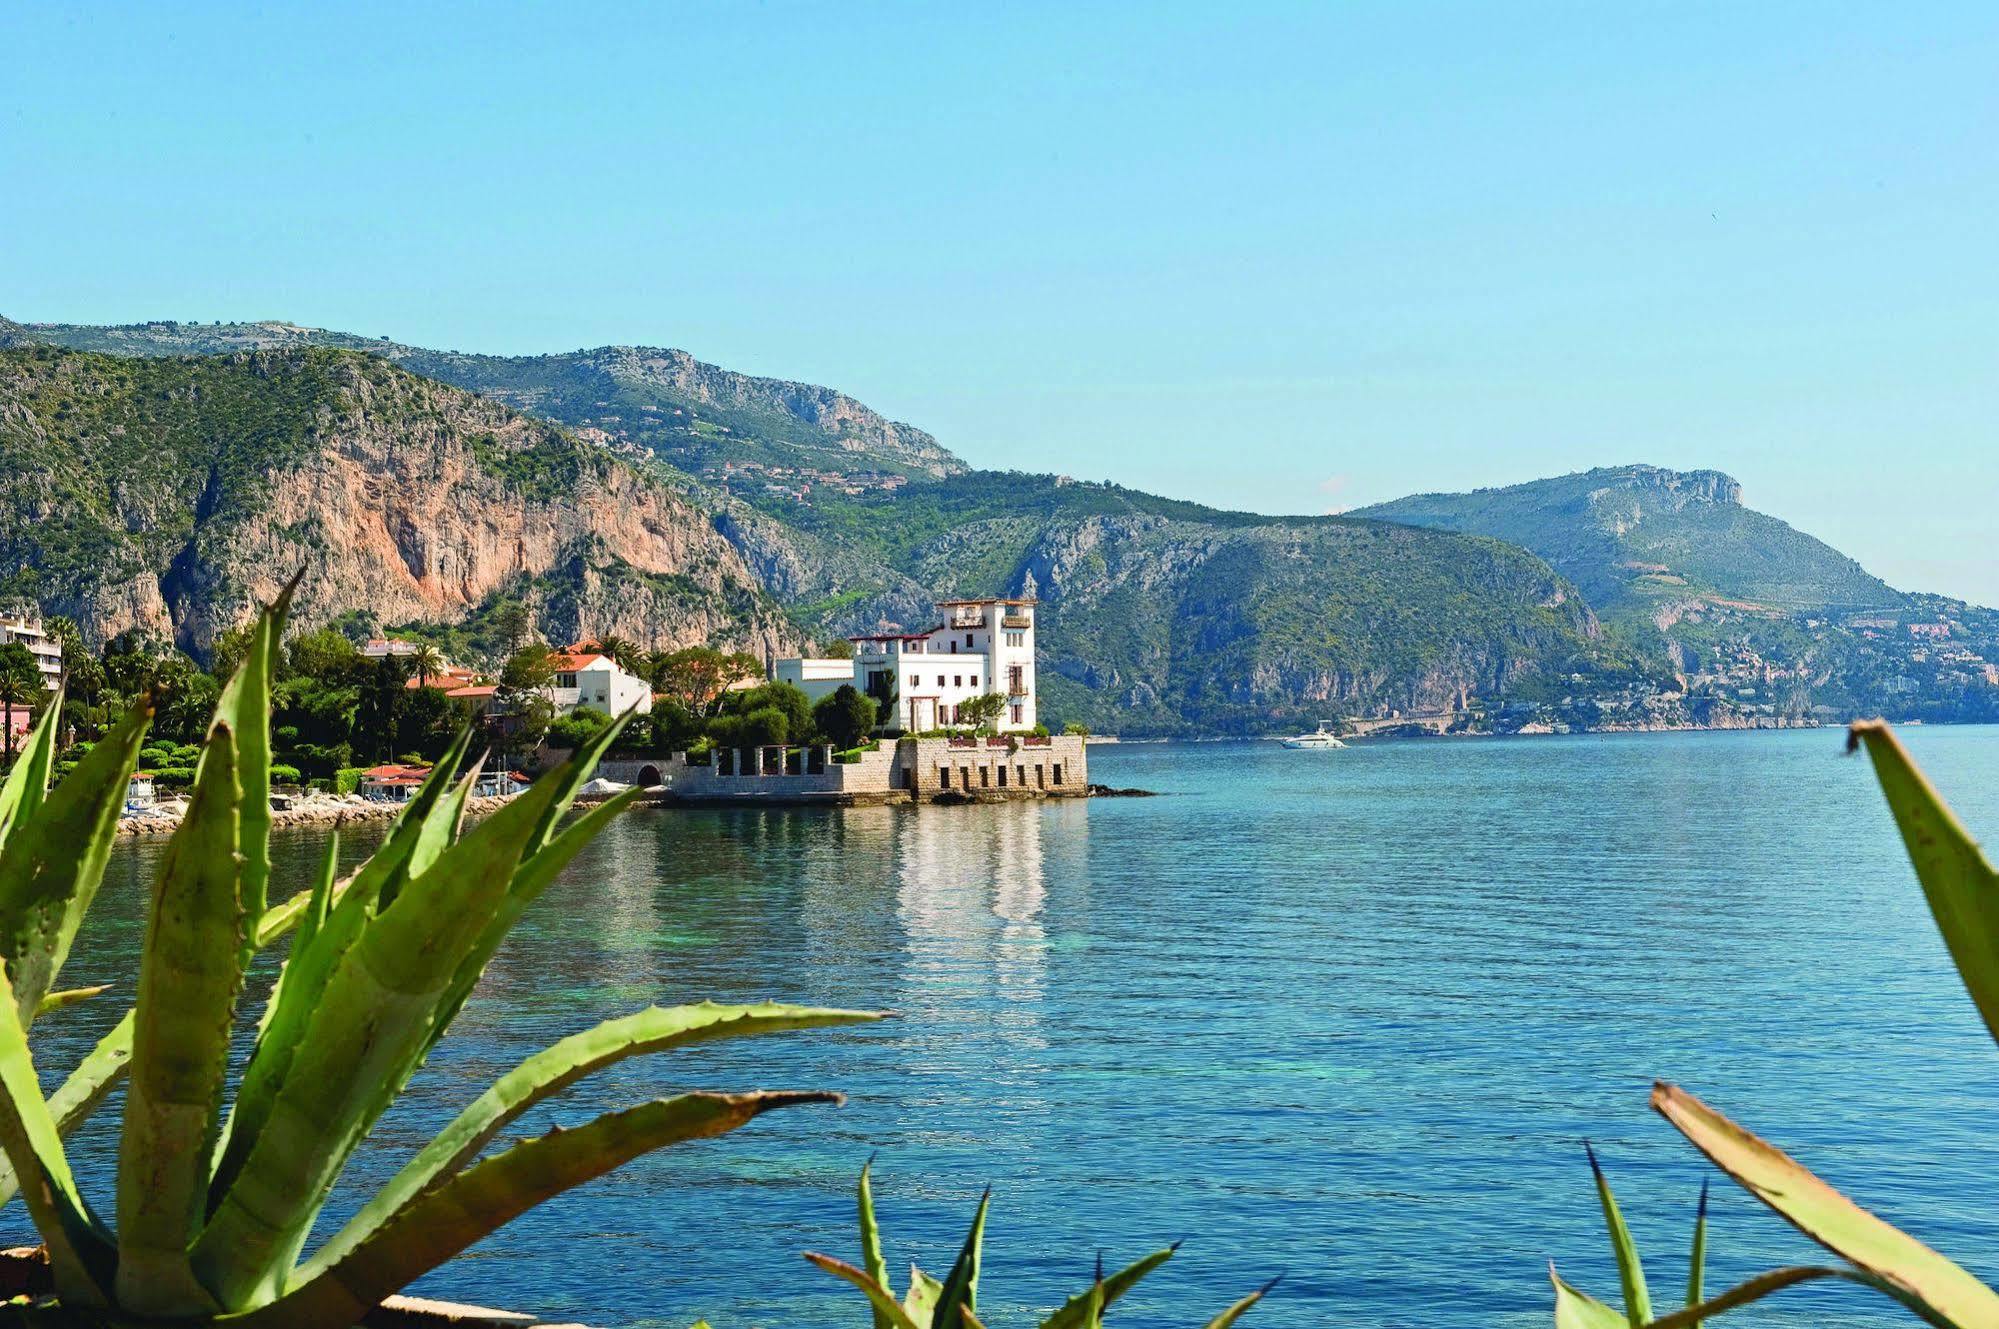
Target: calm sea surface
<point>1345,1017</point>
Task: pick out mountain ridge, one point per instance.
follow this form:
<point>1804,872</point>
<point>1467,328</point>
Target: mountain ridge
<point>650,396</point>
<point>1622,597</point>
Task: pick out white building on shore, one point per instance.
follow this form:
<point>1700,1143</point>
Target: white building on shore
<point>981,647</point>
<point>46,649</point>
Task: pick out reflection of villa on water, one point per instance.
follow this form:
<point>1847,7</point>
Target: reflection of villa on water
<point>971,892</point>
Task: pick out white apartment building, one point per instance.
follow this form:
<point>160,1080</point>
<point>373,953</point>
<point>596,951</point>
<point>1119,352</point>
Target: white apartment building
<point>586,679</point>
<point>981,647</point>
<point>46,649</point>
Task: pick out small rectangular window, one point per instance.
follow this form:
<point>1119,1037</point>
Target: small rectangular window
<point>957,680</point>
<point>968,639</point>
<point>940,680</point>
<point>975,680</point>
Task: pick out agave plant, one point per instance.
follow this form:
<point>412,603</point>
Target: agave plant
<point>1962,889</point>
<point>1579,1310</point>
<point>214,1207</point>
<point>954,1302</point>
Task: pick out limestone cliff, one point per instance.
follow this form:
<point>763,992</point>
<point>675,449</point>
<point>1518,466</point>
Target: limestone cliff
<point>172,495</point>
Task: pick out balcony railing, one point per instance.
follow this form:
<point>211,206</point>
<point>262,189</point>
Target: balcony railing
<point>968,620</point>
<point>1016,622</point>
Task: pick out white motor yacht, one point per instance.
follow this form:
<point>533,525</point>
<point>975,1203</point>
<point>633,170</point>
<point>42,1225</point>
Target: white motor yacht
<point>1323,738</point>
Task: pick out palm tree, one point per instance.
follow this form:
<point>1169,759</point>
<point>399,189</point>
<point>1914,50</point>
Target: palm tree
<point>624,652</point>
<point>20,685</point>
<point>427,660</point>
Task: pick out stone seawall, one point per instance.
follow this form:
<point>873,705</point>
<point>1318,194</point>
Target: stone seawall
<point>909,770</point>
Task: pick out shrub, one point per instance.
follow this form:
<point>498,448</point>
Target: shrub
<point>766,727</point>
<point>347,779</point>
<point>1076,729</point>
<point>574,730</point>
<point>844,717</point>
<point>173,777</point>
<point>284,774</point>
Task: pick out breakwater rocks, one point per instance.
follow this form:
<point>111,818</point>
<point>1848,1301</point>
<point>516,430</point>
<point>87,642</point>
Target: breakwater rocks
<point>305,814</point>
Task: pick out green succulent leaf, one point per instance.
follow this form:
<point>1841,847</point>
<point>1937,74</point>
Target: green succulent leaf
<point>1630,1273</point>
<point>492,1193</point>
<point>1697,1258</point>
<point>387,863</point>
<point>879,1298</point>
<point>1070,1315</point>
<point>961,1285</point>
<point>55,855</point>
<point>56,1001</point>
<point>1958,880</point>
<point>1776,1280</point>
<point>1241,1308</point>
<point>324,936</point>
<point>548,1073</point>
<point>190,972</point>
<point>921,1299</point>
<point>27,784</point>
<point>245,707</point>
<point>1575,1309</point>
<point>81,1254</point>
<point>1904,1267</point>
<point>375,1020</point>
<point>83,1092</point>
<point>872,1259</point>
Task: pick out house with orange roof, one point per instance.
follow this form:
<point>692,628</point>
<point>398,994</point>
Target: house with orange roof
<point>585,678</point>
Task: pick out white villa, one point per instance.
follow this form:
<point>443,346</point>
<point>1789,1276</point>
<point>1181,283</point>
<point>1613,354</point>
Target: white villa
<point>46,650</point>
<point>981,647</point>
<point>584,678</point>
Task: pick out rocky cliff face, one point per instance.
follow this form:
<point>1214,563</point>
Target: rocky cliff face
<point>173,495</point>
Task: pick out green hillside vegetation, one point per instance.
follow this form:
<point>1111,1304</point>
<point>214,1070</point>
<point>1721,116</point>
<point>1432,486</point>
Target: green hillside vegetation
<point>663,401</point>
<point>1629,536</point>
<point>1621,597</point>
<point>134,455</point>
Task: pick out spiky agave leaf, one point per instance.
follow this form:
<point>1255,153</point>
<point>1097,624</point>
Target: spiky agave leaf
<point>56,1001</point>
<point>80,1095</point>
<point>1241,1308</point>
<point>81,1255</point>
<point>245,706</point>
<point>1906,1268</point>
<point>1959,882</point>
<point>879,1298</point>
<point>1776,1280</point>
<point>921,1299</point>
<point>961,1286</point>
<point>494,1192</point>
<point>190,972</point>
<point>390,857</point>
<point>1630,1273</point>
<point>548,1073</point>
<point>1576,1309</point>
<point>367,1034</point>
<point>55,853</point>
<point>1071,1313</point>
<point>1697,1257</point>
<point>872,1259</point>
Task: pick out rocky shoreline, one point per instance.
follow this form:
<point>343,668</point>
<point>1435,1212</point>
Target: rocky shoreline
<point>307,814</point>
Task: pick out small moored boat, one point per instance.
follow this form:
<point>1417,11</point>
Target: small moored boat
<point>1323,738</point>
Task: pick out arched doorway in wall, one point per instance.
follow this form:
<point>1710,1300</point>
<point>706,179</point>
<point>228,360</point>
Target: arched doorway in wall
<point>649,776</point>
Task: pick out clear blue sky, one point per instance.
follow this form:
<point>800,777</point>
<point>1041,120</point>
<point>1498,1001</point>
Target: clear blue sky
<point>1278,257</point>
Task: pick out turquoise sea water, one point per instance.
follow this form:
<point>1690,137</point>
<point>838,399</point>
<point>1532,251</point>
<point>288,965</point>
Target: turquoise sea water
<point>1345,1017</point>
